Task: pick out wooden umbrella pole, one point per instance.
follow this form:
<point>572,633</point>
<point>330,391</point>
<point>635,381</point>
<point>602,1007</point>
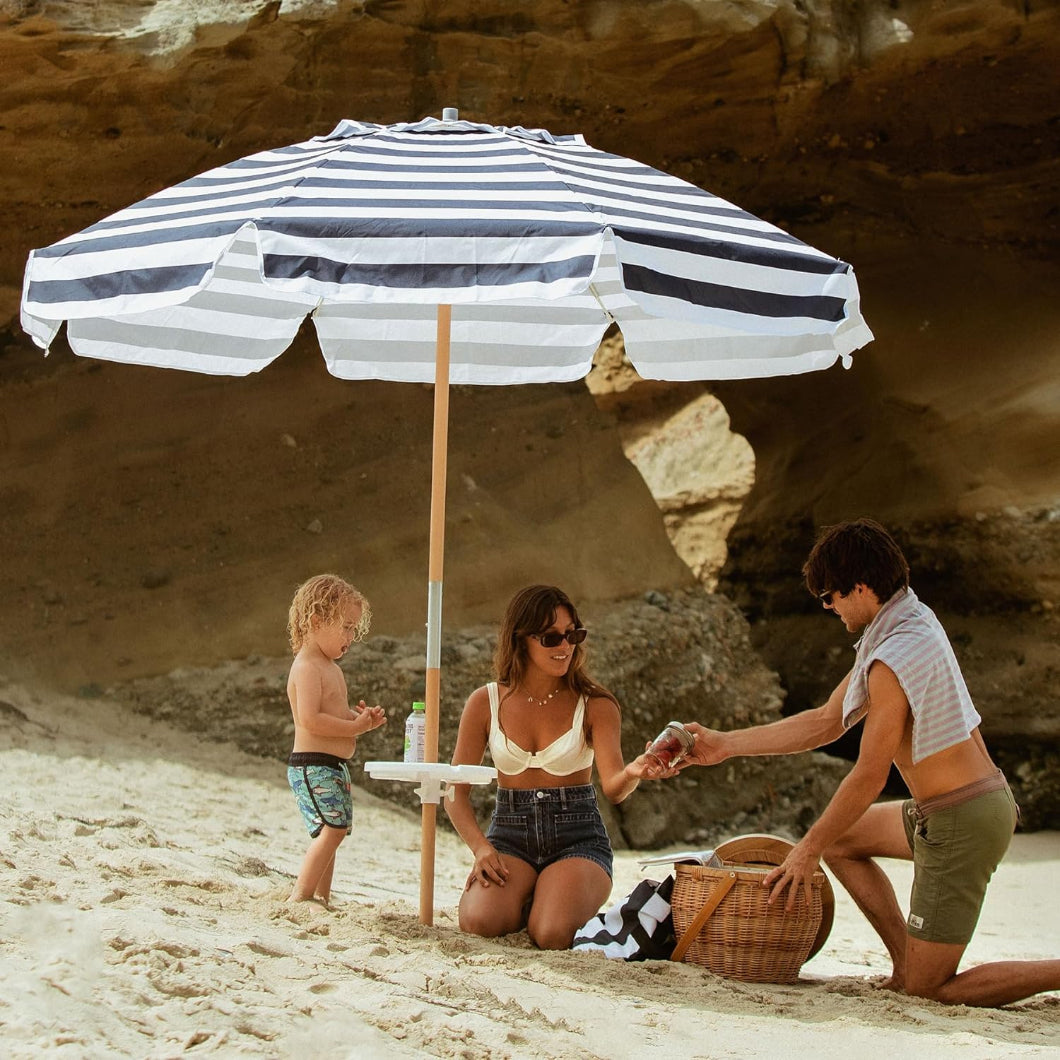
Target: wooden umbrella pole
<point>439,452</point>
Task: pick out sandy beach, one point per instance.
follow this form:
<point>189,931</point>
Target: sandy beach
<point>144,874</point>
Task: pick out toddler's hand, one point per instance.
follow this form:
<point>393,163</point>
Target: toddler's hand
<point>367,718</point>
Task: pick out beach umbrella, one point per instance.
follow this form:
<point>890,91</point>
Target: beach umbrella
<point>444,251</point>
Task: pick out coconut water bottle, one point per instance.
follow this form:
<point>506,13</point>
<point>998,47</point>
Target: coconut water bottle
<point>416,733</point>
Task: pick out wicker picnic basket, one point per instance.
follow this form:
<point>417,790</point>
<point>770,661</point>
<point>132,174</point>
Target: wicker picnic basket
<point>724,922</point>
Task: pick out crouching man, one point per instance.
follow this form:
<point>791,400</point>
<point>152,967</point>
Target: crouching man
<point>907,689</point>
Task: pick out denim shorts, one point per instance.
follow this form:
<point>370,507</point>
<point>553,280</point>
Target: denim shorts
<point>544,825</point>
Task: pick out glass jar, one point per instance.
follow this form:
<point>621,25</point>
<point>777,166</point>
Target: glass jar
<point>671,745</point>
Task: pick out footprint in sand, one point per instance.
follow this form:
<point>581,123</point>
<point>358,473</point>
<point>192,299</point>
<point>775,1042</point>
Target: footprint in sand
<point>266,951</point>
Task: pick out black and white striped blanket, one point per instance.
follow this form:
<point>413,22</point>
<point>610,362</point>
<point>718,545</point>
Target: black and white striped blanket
<point>639,927</point>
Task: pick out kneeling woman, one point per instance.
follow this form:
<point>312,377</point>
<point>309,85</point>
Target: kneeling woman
<point>545,863</point>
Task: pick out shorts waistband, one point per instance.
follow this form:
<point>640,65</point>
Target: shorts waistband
<point>522,798</point>
<point>994,782</point>
<point>315,758</point>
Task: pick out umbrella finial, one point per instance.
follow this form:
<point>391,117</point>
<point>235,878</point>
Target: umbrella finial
<point>450,114</point>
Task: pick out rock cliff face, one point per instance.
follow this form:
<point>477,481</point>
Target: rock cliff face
<point>155,520</point>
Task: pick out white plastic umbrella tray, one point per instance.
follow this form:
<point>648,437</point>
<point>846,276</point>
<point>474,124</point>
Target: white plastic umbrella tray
<point>435,779</point>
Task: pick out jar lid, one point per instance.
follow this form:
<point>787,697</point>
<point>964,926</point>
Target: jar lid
<point>688,741</point>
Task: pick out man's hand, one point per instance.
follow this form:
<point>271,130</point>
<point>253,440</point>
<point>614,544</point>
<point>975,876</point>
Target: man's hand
<point>794,872</point>
<point>709,748</point>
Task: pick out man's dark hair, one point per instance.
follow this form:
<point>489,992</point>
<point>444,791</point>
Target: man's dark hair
<point>858,552</point>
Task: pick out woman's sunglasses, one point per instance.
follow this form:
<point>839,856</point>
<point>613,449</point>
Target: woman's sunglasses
<point>552,639</point>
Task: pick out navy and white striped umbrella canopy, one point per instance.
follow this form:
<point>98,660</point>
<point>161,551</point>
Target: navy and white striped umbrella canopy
<point>446,252</point>
<point>537,241</point>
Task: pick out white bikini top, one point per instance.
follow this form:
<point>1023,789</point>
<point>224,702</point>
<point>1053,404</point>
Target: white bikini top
<point>566,754</point>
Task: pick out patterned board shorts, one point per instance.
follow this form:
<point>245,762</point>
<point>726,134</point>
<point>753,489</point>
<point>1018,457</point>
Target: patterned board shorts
<point>321,786</point>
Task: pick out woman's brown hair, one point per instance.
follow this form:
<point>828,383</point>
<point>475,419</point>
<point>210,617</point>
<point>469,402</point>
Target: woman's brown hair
<point>533,610</point>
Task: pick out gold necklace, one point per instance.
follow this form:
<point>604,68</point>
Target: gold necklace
<point>541,702</point>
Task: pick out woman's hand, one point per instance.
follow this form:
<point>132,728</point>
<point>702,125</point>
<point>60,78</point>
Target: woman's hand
<point>643,767</point>
<point>648,767</point>
<point>489,868</point>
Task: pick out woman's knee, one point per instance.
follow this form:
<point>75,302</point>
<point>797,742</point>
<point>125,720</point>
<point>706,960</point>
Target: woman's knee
<point>474,922</point>
<point>551,934</point>
<point>552,926</point>
<point>488,920</point>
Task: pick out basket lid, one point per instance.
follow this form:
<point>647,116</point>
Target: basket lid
<point>758,848</point>
<point>761,848</point>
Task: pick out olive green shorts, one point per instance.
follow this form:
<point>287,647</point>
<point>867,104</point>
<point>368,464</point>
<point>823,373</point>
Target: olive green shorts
<point>955,851</point>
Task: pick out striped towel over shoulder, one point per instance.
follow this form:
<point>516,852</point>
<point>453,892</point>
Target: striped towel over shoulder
<point>906,635</point>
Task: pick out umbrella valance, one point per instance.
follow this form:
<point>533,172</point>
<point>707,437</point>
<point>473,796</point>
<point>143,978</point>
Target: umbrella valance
<point>538,241</point>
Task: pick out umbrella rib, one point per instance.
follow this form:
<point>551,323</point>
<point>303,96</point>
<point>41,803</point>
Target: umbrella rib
<point>600,302</point>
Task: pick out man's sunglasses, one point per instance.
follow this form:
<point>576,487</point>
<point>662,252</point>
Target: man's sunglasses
<point>826,598</point>
<point>552,639</point>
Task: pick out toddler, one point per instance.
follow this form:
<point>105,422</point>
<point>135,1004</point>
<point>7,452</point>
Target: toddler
<point>327,615</point>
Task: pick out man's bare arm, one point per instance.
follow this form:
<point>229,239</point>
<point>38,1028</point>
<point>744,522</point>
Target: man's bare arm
<point>885,725</point>
<point>801,732</point>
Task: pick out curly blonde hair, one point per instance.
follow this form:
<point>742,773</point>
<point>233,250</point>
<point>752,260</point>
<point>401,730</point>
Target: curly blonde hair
<point>323,597</point>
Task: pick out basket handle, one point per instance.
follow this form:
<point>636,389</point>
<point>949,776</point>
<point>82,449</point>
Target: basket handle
<point>712,903</point>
